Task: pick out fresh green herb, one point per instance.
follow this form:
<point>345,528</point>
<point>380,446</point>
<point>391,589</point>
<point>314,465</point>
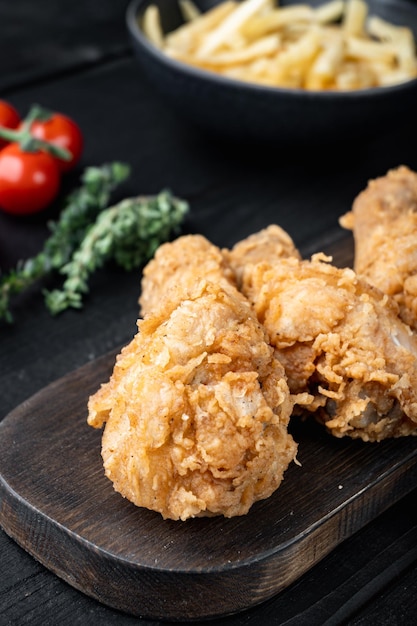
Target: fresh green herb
<point>81,209</point>
<point>129,233</point>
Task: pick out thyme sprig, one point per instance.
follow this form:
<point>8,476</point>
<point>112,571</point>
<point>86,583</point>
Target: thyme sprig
<point>80,209</point>
<point>128,233</point>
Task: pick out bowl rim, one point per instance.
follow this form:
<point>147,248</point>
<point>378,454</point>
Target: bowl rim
<point>136,32</point>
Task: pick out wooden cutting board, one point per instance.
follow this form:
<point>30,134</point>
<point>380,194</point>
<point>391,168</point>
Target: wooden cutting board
<point>57,504</point>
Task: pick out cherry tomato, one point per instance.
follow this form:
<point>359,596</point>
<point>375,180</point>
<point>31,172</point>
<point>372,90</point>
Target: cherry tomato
<point>29,181</point>
<point>9,118</point>
<point>62,131</point>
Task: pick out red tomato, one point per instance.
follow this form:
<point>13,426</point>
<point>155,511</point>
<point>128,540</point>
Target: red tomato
<point>63,132</point>
<point>9,118</point>
<point>29,181</point>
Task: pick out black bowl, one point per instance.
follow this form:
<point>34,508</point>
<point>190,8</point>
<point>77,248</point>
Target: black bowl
<point>239,110</point>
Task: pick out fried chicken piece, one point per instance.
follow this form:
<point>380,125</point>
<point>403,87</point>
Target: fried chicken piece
<point>185,260</point>
<point>192,257</point>
<point>384,224</point>
<point>196,410</point>
<point>269,244</point>
<point>342,344</point>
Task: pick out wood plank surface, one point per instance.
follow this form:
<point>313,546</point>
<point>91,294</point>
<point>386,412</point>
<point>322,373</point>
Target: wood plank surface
<point>57,504</point>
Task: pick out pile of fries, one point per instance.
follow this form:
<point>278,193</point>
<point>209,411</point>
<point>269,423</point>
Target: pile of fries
<point>337,45</point>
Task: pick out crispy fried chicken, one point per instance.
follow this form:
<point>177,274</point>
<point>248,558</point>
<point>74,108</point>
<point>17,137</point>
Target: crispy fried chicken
<point>182,263</point>
<point>341,342</point>
<point>196,411</point>
<point>384,224</point>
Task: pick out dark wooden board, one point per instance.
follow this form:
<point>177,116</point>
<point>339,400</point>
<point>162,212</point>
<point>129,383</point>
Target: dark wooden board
<point>57,504</point>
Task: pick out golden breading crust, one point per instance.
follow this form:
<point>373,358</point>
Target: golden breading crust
<point>196,410</point>
<point>268,245</point>
<point>341,341</point>
<point>182,263</point>
<point>384,224</point>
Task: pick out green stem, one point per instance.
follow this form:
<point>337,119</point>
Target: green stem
<point>25,139</point>
<point>128,232</point>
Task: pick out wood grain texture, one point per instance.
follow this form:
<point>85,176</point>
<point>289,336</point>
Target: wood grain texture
<point>57,504</point>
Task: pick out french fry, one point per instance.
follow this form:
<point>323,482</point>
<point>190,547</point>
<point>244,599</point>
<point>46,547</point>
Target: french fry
<point>383,30</point>
<point>389,77</point>
<point>276,19</point>
<point>302,51</point>
<point>401,37</point>
<point>370,50</point>
<point>406,56</point>
<point>243,12</point>
<point>326,66</point>
<point>329,12</point>
<point>248,73</point>
<point>260,48</point>
<point>353,76</point>
<point>189,10</point>
<point>151,25</point>
<point>356,12</point>
<point>293,64</point>
<point>189,33</point>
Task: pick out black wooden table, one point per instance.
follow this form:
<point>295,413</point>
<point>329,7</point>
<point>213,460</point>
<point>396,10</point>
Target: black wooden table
<point>75,57</point>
